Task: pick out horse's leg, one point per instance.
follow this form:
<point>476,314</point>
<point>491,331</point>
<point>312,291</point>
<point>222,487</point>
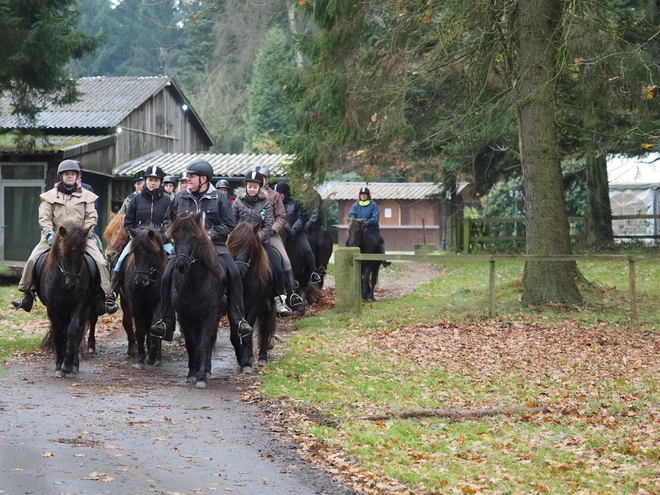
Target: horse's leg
<point>59,342</point>
<point>141,330</point>
<point>208,328</point>
<point>127,323</point>
<point>366,272</point>
<point>72,335</point>
<point>374,279</point>
<point>154,346</point>
<point>191,347</point>
<point>267,325</point>
<point>91,338</point>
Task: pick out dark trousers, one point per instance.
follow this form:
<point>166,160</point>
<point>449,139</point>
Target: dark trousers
<point>317,233</point>
<point>276,262</point>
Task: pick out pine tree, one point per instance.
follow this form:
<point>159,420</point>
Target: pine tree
<point>266,113</point>
<point>39,37</point>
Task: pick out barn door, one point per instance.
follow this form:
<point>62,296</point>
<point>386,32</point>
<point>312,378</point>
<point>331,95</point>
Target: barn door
<point>19,204</point>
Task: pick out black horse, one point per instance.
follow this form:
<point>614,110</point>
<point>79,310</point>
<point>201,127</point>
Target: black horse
<point>142,273</point>
<point>66,289</point>
<point>257,275</point>
<point>359,236</point>
<point>198,292</point>
<point>322,250</point>
<point>310,293</point>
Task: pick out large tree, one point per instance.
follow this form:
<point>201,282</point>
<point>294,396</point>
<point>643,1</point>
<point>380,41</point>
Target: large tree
<point>539,31</point>
<point>39,37</point>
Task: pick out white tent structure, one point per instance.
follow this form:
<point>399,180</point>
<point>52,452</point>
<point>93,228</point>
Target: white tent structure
<point>634,185</point>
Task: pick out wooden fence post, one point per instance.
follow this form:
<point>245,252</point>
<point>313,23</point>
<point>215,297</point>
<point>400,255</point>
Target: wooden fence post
<point>348,281</point>
<point>491,289</point>
<point>633,290</point>
<point>466,235</point>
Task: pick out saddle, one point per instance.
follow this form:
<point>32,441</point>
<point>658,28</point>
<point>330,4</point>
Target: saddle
<point>89,261</point>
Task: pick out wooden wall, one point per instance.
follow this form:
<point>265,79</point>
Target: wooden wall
<point>411,222</point>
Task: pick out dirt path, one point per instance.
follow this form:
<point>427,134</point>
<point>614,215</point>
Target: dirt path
<point>118,430</point>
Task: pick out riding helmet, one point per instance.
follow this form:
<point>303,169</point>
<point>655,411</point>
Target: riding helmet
<point>169,179</point>
<point>255,177</point>
<point>68,166</point>
<point>155,172</point>
<point>222,184</point>
<point>201,168</point>
<point>138,176</point>
<point>365,190</point>
<point>264,170</point>
<point>283,187</point>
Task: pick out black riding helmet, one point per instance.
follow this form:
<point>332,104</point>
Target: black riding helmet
<point>155,172</point>
<point>138,176</point>
<point>169,179</point>
<point>364,190</point>
<point>222,184</point>
<point>201,168</point>
<point>283,188</point>
<point>254,177</point>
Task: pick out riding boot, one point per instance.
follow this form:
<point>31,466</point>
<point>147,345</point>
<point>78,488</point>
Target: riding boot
<point>281,308</point>
<point>25,302</point>
<point>164,328</point>
<point>381,248</point>
<point>294,299</point>
<point>111,303</point>
<point>315,278</point>
<point>115,281</point>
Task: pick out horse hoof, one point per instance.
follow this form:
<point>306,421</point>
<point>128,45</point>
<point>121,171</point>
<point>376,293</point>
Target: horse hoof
<point>150,361</point>
<point>246,369</point>
<point>59,374</point>
<point>139,366</point>
<point>262,362</point>
<point>91,351</point>
<point>191,379</point>
<point>158,363</point>
<point>132,350</point>
<point>201,385</point>
<point>76,370</point>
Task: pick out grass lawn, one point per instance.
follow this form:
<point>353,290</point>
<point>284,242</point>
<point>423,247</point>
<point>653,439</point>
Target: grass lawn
<point>596,371</point>
<point>20,331</point>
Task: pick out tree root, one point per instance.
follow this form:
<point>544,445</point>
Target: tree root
<point>453,414</point>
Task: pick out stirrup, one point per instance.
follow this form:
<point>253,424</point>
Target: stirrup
<point>158,329</point>
<point>24,302</point>
<point>111,303</point>
<point>244,328</point>
<point>296,301</point>
<point>386,263</point>
<point>281,309</point>
<point>315,278</point>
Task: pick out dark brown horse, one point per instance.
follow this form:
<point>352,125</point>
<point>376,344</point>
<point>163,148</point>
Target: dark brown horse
<point>198,292</point>
<point>257,275</point>
<point>359,236</point>
<point>310,293</point>
<point>143,270</point>
<point>116,237</point>
<point>67,290</point>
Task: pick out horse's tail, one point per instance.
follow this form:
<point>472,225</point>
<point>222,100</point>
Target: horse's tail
<point>48,343</point>
<point>313,292</point>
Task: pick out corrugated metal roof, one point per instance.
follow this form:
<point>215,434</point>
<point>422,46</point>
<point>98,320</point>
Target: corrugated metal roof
<point>67,143</point>
<point>104,102</point>
<point>223,165</point>
<point>379,190</point>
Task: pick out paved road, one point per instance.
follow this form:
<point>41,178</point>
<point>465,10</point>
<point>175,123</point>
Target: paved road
<point>113,429</point>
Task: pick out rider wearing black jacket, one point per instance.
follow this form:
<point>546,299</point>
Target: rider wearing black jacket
<point>295,221</point>
<point>219,222</point>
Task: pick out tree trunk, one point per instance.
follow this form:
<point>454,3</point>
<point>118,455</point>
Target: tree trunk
<point>598,216</point>
<point>543,190</point>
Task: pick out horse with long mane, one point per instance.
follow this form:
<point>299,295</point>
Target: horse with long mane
<point>143,270</point>
<point>198,284</point>
<point>257,275</point>
<point>116,237</point>
<point>66,289</point>
<point>359,236</point>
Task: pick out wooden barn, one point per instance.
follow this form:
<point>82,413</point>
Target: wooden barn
<point>410,213</point>
<point>116,121</point>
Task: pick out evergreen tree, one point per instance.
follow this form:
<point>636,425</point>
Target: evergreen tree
<point>39,38</point>
<point>267,117</point>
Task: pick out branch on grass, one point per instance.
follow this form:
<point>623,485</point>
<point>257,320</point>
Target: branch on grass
<point>454,414</point>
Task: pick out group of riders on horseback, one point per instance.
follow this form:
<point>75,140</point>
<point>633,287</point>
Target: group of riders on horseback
<point>274,212</point>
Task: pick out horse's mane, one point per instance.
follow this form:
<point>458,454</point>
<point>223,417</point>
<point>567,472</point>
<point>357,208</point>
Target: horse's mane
<point>141,237</point>
<point>114,233</point>
<point>191,226</point>
<point>68,238</point>
<point>244,238</point>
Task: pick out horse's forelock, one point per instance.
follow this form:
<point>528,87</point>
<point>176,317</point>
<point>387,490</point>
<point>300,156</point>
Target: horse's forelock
<point>75,239</point>
<point>142,238</point>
